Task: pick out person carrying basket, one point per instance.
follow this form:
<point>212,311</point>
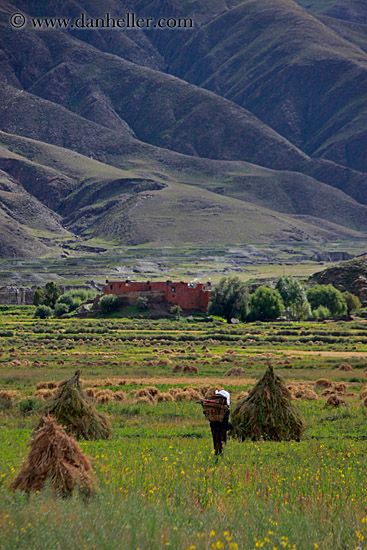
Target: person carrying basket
<point>216,411</point>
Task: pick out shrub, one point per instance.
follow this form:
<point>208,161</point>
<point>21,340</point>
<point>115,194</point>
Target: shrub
<point>321,313</point>
<point>108,304</point>
<point>142,303</point>
<point>43,312</point>
<point>68,300</point>
<point>61,309</point>
<point>176,311</point>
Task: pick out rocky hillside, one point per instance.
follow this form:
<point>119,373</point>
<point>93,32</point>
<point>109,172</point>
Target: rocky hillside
<point>348,276</point>
<point>249,127</point>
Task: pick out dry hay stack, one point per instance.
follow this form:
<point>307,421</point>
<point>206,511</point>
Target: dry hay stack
<point>335,401</point>
<point>322,384</point>
<point>341,387</point>
<point>46,385</point>
<point>165,396</point>
<point>190,369</point>
<point>74,410</point>
<point>177,368</point>
<point>55,457</point>
<point>363,393</point>
<point>267,412</point>
<point>304,393</point>
<point>120,396</point>
<point>144,396</point>
<point>345,367</point>
<point>364,402</point>
<point>235,371</point>
<point>8,395</point>
<point>43,395</point>
<point>90,393</point>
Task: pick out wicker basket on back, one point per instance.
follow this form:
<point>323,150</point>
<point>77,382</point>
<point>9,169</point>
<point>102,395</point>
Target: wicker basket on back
<point>215,409</point>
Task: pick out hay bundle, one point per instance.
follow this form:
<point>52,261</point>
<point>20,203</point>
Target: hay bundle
<point>8,395</point>
<point>235,371</point>
<point>191,394</point>
<point>152,390</point>
<point>104,396</point>
<point>190,369</point>
<point>363,393</point>
<point>144,396</point>
<point>241,395</point>
<point>44,395</point>
<point>305,394</point>
<point>267,412</point>
<point>144,399</point>
<point>341,387</point>
<point>54,456</point>
<point>90,393</point>
<point>323,383</point>
<point>345,367</point>
<point>120,396</point>
<point>46,385</point>
<point>177,368</point>
<point>173,391</point>
<point>165,396</point>
<point>327,392</point>
<point>74,410</point>
<point>180,396</point>
<point>335,401</point>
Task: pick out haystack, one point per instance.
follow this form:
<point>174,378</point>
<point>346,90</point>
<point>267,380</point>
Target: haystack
<point>267,412</point>
<point>335,401</point>
<point>345,367</point>
<point>54,457</point>
<point>235,371</point>
<point>73,410</point>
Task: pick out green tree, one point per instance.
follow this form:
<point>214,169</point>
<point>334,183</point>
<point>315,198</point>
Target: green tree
<point>229,299</point>
<point>52,294</point>
<point>329,297</point>
<point>38,296</point>
<point>43,312</point>
<point>61,309</point>
<point>265,304</point>
<point>352,301</point>
<point>294,297</point>
<point>109,303</point>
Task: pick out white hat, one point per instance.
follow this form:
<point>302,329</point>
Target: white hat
<point>225,394</point>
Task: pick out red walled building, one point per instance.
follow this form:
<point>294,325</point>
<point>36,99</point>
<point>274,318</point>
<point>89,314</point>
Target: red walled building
<point>190,296</point>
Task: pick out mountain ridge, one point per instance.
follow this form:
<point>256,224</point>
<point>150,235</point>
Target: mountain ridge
<point>157,138</point>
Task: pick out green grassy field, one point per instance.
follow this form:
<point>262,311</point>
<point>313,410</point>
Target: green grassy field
<point>159,484</point>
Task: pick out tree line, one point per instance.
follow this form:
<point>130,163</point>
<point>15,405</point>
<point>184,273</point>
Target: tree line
<point>230,299</point>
